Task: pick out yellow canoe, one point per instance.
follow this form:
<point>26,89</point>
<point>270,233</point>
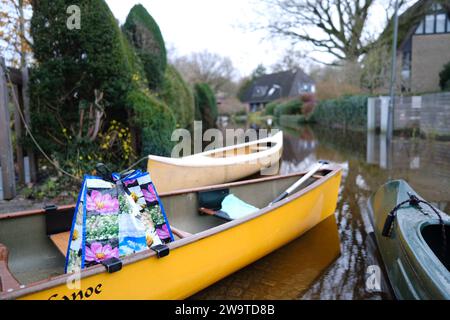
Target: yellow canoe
<point>217,166</point>
<point>208,250</point>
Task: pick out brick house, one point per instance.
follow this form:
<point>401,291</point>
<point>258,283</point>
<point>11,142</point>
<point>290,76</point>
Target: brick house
<point>280,85</point>
<point>425,47</point>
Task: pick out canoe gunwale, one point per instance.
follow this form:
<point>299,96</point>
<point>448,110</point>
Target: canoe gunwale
<point>413,251</point>
<point>202,159</point>
<point>332,171</point>
<point>413,256</point>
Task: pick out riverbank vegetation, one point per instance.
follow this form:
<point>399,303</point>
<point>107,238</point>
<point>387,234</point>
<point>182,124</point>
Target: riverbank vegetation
<point>103,93</point>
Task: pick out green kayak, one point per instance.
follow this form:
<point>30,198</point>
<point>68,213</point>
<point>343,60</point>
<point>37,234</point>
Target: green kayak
<point>413,239</point>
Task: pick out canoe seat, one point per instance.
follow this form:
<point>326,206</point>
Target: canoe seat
<point>61,240</point>
<point>7,280</point>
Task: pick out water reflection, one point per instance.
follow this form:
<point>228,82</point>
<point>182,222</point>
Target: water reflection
<point>368,161</point>
<point>287,272</point>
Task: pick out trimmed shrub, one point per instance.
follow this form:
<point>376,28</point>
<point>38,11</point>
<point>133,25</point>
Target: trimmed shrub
<point>145,36</point>
<point>345,112</point>
<point>155,120</point>
<point>179,97</point>
<point>444,77</point>
<point>290,107</point>
<point>270,108</point>
<point>205,105</point>
<point>71,66</point>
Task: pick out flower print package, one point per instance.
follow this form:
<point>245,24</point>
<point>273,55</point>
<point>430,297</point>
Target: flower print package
<point>114,219</point>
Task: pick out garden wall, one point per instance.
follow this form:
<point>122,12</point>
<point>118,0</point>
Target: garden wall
<point>430,114</point>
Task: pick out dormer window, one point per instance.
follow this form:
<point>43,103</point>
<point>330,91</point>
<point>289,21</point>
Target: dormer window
<point>259,91</point>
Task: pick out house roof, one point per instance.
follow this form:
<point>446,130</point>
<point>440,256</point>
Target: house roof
<point>274,86</point>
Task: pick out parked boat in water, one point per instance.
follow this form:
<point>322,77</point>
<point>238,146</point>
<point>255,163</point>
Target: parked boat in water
<point>206,250</point>
<point>413,239</point>
<point>216,166</point>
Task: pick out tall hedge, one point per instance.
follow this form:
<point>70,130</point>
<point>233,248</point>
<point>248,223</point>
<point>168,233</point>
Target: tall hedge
<point>70,66</point>
<point>179,97</point>
<point>289,108</point>
<point>344,112</point>
<point>154,120</point>
<point>151,119</point>
<point>145,35</point>
<point>205,105</point>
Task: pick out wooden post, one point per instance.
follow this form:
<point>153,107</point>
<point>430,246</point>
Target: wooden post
<point>26,111</point>
<point>18,132</point>
<point>6,154</point>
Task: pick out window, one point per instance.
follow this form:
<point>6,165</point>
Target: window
<point>436,21</point>
<point>441,20</point>
<point>420,28</point>
<point>259,91</point>
<point>429,24</point>
<point>406,61</point>
<point>437,7</point>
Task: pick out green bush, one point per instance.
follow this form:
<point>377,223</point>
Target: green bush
<point>70,66</point>
<point>345,112</point>
<point>145,36</point>
<point>290,107</point>
<point>241,113</point>
<point>179,97</point>
<point>155,120</point>
<point>205,105</point>
<point>270,108</point>
<point>444,77</point>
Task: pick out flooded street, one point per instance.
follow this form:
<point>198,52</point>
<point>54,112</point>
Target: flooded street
<point>331,260</point>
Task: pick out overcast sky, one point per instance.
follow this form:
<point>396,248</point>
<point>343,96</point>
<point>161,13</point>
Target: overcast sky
<point>217,26</point>
<point>214,25</point>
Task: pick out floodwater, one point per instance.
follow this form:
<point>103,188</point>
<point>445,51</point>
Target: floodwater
<point>331,261</point>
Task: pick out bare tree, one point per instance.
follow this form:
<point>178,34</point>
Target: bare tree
<point>340,28</point>
<point>15,42</point>
<point>207,67</point>
<point>292,59</point>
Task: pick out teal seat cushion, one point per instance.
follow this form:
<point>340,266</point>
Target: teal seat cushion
<point>235,208</point>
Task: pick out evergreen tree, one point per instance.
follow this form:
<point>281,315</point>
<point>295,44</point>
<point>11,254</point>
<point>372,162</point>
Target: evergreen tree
<point>179,97</point>
<point>81,78</point>
<point>145,36</point>
<point>444,77</point>
<point>205,105</point>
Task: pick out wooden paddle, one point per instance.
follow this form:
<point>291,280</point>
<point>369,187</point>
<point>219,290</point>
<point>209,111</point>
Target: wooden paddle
<point>302,180</point>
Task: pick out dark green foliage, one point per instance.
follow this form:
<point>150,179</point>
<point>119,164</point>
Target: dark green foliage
<point>245,85</point>
<point>71,65</point>
<point>270,107</point>
<point>444,77</point>
<point>152,121</point>
<point>205,105</point>
<point>145,36</point>
<point>241,113</point>
<point>345,112</point>
<point>290,107</point>
<point>155,120</point>
<point>179,97</point>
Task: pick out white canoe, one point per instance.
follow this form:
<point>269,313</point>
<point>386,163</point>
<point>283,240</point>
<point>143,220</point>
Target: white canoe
<point>217,166</point>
